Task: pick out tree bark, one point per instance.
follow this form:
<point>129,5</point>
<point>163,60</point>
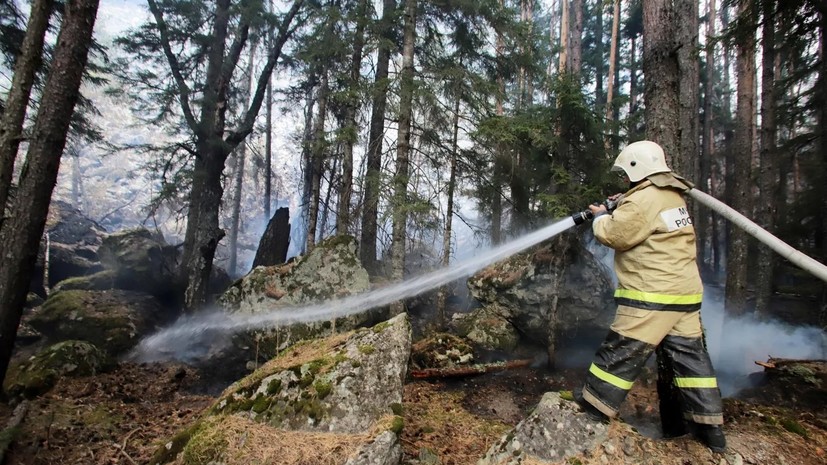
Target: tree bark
<point>14,113</point>
<point>612,65</point>
<point>350,134</point>
<point>373,170</point>
<point>318,146</point>
<point>403,146</point>
<point>576,40</point>
<point>449,215</point>
<point>703,220</point>
<point>238,188</point>
<point>563,63</point>
<point>25,226</point>
<point>660,66</point>
<point>688,84</point>
<point>736,283</point>
<point>769,175</point>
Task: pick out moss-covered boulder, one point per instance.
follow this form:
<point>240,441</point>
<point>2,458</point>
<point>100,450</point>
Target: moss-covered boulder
<point>141,261</point>
<point>68,358</point>
<point>100,281</point>
<point>488,328</point>
<point>441,350</point>
<point>332,270</point>
<point>341,393</point>
<point>112,320</point>
<point>555,287</point>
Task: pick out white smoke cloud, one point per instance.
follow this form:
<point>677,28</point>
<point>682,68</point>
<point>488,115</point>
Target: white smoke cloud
<point>736,343</point>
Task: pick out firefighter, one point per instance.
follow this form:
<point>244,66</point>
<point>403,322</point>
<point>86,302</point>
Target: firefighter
<point>658,296</point>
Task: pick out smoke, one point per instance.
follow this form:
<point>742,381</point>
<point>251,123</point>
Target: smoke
<point>736,343</point>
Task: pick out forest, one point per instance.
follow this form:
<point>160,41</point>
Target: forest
<point>404,110</point>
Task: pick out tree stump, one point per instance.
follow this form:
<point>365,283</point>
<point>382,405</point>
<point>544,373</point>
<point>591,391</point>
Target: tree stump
<point>272,248</point>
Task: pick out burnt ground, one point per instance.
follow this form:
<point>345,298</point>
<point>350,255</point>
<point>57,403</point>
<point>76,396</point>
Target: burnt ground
<point>121,418</point>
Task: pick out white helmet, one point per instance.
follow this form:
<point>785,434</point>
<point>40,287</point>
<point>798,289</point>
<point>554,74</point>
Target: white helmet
<point>641,159</point>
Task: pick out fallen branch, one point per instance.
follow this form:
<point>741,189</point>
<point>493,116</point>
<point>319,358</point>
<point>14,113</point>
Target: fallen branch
<point>478,369</point>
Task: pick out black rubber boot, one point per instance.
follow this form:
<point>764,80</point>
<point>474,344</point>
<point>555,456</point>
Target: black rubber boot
<point>589,409</point>
<point>712,436</point>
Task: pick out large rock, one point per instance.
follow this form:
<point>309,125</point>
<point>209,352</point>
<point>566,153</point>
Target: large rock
<point>332,270</point>
<point>556,286</point>
<point>141,261</point>
<point>39,373</point>
<point>554,432</point>
<point>348,386</point>
<point>112,320</point>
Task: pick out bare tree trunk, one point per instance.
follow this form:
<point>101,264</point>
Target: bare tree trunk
<point>737,282</point>
<point>497,176</point>
<point>268,151</point>
<point>449,216</point>
<point>687,55</point>
<point>241,154</point>
<point>769,177</point>
<point>351,131</point>
<point>612,65</point>
<point>703,219</point>
<point>576,40</point>
<point>403,147</point>
<point>268,134</point>
<point>600,96</point>
<point>316,164</point>
<point>632,76</point>
<point>20,234</point>
<point>373,173</point>
<point>660,66</point>
<point>563,63</point>
<point>25,69</point>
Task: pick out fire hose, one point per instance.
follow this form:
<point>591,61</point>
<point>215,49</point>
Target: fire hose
<point>791,254</point>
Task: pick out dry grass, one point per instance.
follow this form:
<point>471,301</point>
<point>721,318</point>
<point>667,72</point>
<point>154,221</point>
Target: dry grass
<point>235,440</point>
<point>436,420</point>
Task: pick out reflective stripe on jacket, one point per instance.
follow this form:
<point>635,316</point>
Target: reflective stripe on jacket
<point>654,241</point>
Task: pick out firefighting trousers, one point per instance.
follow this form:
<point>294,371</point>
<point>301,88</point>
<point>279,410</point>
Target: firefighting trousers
<point>633,337</point>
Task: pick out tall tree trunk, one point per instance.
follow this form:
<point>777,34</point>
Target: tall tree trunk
<point>612,64</point>
<point>268,151</point>
<point>736,283</point>
<point>20,234</point>
<point>403,147</point>
<point>633,95</point>
<point>449,216</point>
<point>660,66</point>
<point>703,220</point>
<point>373,172</point>
<point>351,131</point>
<point>576,39</point>
<point>822,122</point>
<point>325,206</point>
<point>687,55</point>
<point>769,177</point>
<point>238,188</point>
<point>316,164</point>
<point>600,96</point>
<point>14,113</point>
<point>497,178</point>
<point>722,227</point>
<point>268,131</point>
<point>565,17</point>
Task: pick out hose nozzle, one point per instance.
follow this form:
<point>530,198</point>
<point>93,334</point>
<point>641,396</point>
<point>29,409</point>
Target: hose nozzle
<point>586,215</point>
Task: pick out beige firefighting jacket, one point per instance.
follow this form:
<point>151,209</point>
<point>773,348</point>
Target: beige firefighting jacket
<point>654,241</point>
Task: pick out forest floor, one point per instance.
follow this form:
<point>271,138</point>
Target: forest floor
<point>123,416</point>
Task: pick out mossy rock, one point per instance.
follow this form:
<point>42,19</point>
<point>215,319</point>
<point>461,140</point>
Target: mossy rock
<point>441,350</point>
<point>112,320</point>
<point>100,281</point>
<point>488,329</point>
<point>69,358</point>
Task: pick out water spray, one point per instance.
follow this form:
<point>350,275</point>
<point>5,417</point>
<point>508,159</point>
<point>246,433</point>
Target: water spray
<point>194,335</point>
